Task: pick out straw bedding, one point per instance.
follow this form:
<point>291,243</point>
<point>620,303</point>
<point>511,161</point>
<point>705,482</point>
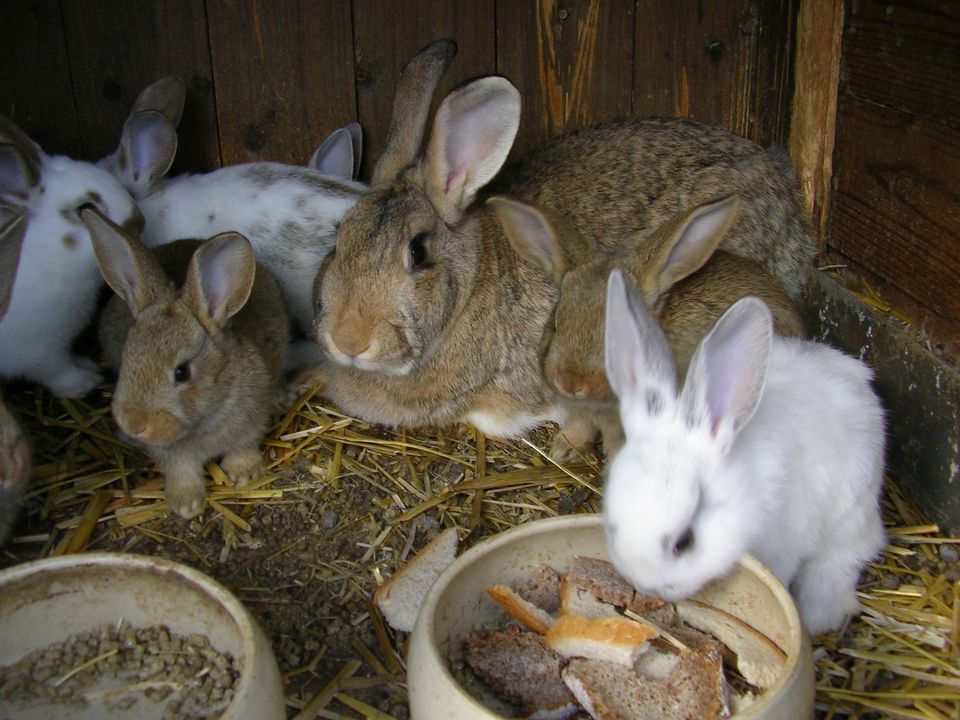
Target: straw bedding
<point>345,503</point>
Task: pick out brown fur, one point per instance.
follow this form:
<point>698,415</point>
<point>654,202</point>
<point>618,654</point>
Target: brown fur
<point>687,300</point>
<point>167,316</point>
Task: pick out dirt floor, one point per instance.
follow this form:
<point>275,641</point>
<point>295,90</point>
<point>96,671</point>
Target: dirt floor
<point>342,506</point>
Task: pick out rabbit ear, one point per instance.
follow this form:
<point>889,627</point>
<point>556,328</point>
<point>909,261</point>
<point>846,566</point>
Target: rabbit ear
<point>531,233</point>
<point>638,360</point>
<point>11,241</point>
<point>126,264</point>
<point>147,148</point>
<point>728,370</point>
<point>20,160</point>
<point>339,153</point>
<point>166,96</point>
<point>220,279</point>
<point>683,245</point>
<point>473,132</point>
<point>411,107</point>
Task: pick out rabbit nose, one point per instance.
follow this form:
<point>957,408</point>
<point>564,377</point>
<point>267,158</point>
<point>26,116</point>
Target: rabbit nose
<point>132,421</point>
<point>566,382</point>
<point>353,338</point>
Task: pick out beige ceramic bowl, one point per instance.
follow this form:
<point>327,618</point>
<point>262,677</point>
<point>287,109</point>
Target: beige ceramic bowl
<point>48,600</point>
<point>457,602</point>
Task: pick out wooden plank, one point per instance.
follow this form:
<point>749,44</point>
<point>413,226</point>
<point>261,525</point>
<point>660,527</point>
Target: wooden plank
<point>728,63</point>
<point>814,116</point>
<point>905,55</point>
<point>35,92</point>
<point>388,34</point>
<point>118,47</point>
<point>283,73</point>
<point>895,209</point>
<point>571,60</point>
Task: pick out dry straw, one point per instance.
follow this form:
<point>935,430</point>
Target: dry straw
<point>901,659</point>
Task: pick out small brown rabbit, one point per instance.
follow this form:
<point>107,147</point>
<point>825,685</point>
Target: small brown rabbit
<point>684,280</point>
<point>199,343</point>
<point>14,448</point>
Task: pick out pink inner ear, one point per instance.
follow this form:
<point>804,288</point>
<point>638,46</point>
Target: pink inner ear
<point>13,177</point>
<point>150,137</point>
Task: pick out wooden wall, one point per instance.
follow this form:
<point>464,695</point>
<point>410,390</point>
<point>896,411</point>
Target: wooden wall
<point>895,214</point>
<point>269,80</point>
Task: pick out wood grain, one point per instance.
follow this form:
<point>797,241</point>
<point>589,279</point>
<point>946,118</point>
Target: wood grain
<point>388,34</point>
<point>35,91</point>
<point>728,63</point>
<point>117,48</point>
<point>283,75</point>
<point>896,210</point>
<point>571,60</point>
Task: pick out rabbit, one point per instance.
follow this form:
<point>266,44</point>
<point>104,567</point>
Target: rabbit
<point>56,281</point>
<point>199,330</point>
<point>426,312</point>
<point>773,446</point>
<point>684,280</point>
<point>620,177</point>
<point>15,459</point>
<point>288,213</point>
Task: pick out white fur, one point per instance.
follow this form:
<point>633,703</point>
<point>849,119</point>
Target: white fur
<point>56,284</point>
<point>290,223</point>
<point>797,485</point>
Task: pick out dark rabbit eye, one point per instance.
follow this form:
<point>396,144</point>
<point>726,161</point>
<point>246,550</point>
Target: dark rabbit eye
<point>684,542</point>
<point>181,373</point>
<point>417,257</point>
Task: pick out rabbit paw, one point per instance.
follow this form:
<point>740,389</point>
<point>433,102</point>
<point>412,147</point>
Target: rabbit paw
<point>74,380</point>
<point>243,466</point>
<point>573,442</point>
<point>186,499</point>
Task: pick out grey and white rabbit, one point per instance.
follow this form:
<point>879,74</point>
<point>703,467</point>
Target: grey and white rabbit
<point>772,446</point>
<point>289,213</point>
<point>56,281</point>
<point>198,330</point>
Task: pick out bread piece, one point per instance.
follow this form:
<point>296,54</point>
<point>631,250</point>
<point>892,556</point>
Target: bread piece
<point>602,580</point>
<point>521,669</point>
<point>525,613</point>
<point>615,639</point>
<point>542,589</point>
<point>759,659</point>
<point>605,691</point>
<point>401,596</point>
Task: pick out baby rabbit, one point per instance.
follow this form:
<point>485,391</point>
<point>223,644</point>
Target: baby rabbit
<point>14,448</point>
<point>685,281</point>
<point>55,280</point>
<point>774,446</point>
<point>287,212</point>
<point>200,344</point>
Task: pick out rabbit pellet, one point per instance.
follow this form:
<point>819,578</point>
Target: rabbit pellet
<point>120,666</point>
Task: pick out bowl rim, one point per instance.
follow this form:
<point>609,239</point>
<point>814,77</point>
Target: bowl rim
<point>147,563</point>
<point>424,625</point>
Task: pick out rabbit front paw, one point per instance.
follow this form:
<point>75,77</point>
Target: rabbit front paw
<point>73,379</point>
<point>243,466</point>
<point>186,497</point>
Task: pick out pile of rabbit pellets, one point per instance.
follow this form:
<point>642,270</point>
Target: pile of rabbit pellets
<point>119,666</point>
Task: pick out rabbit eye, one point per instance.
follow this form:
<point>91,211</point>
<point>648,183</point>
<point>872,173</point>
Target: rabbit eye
<point>684,542</point>
<point>417,257</point>
<point>181,373</point>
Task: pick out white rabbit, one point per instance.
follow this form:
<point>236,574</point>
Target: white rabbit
<point>288,213</point>
<point>56,281</point>
<point>774,447</point>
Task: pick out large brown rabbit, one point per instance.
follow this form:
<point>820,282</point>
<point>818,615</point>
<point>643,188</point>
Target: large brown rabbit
<point>199,331</point>
<point>427,313</point>
<point>684,280</point>
<point>14,449</point>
